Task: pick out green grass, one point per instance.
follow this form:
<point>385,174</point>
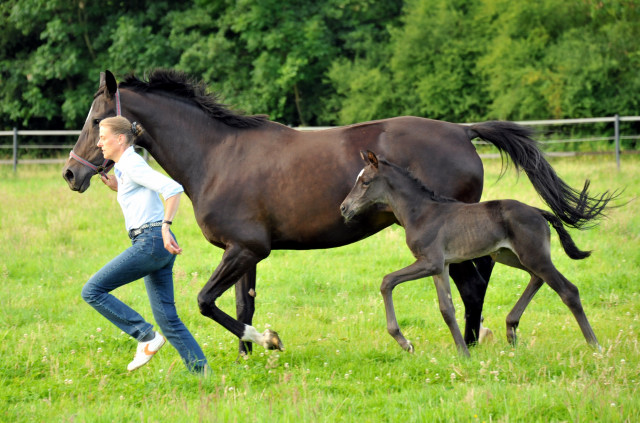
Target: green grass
<point>61,361</point>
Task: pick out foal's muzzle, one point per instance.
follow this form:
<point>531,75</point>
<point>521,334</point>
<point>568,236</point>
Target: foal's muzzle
<point>346,212</point>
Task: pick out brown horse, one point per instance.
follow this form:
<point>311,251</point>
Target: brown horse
<point>441,231</point>
<point>251,190</point>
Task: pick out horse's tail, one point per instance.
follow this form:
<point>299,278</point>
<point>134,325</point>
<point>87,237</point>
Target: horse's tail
<point>568,245</point>
<point>575,208</point>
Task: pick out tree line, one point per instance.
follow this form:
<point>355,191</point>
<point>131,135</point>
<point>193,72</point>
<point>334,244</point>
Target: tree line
<point>329,62</point>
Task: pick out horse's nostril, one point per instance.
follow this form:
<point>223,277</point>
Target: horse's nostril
<point>68,175</point>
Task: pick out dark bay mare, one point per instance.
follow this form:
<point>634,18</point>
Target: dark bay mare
<point>249,180</point>
<point>441,231</point>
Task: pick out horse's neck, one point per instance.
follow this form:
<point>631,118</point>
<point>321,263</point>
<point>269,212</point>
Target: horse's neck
<point>179,149</point>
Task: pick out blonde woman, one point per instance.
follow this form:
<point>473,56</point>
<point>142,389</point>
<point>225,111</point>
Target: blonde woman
<point>151,255</point>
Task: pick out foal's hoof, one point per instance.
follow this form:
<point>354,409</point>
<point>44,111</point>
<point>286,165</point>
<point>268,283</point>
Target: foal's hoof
<point>272,340</point>
<point>408,347</point>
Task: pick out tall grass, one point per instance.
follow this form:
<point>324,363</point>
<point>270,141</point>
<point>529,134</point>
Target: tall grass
<point>61,361</point>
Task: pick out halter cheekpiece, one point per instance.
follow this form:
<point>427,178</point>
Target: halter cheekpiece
<point>105,166</point>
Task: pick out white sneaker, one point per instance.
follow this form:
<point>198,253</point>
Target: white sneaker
<point>146,351</point>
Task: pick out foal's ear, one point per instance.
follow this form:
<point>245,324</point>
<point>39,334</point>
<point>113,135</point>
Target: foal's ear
<point>371,158</point>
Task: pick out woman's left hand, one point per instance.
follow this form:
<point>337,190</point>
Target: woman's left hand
<point>170,243</point>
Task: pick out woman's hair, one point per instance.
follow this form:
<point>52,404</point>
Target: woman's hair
<point>121,125</point>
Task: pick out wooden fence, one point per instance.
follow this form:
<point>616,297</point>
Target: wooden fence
<point>616,120</point>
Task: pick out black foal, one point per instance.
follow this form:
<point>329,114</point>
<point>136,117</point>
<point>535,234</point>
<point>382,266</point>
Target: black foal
<point>441,231</point>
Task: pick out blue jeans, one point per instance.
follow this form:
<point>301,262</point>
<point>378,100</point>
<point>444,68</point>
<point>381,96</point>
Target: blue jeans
<point>146,258</point>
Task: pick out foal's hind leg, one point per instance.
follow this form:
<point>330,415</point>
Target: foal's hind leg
<point>513,318</point>
<point>570,296</point>
<point>409,273</point>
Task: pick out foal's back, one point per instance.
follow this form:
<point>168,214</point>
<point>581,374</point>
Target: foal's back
<point>464,231</point>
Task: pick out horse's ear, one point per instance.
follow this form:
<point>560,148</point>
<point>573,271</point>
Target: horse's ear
<point>363,154</point>
<point>102,80</point>
<point>372,158</point>
<point>110,81</point>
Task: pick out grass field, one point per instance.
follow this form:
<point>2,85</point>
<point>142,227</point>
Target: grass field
<point>61,361</point>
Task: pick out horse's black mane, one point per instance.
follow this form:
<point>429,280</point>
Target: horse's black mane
<point>180,85</point>
<point>407,173</point>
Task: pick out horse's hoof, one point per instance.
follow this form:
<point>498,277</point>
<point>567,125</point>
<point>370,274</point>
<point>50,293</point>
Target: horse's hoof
<point>486,335</point>
<point>272,340</point>
<point>408,347</point>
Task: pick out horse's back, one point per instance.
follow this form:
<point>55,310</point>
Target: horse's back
<point>439,153</point>
<point>294,181</point>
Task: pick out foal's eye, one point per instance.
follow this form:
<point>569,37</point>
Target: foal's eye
<point>366,183</point>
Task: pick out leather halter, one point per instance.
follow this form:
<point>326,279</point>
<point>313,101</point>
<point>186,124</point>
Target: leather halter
<point>105,166</point>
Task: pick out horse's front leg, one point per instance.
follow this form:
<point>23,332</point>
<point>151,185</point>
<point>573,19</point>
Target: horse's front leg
<point>236,261</point>
<point>471,281</point>
<point>245,304</point>
<point>443,288</point>
<point>415,271</point>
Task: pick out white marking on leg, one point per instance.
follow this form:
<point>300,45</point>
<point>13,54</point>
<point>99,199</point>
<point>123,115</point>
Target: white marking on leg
<point>251,334</point>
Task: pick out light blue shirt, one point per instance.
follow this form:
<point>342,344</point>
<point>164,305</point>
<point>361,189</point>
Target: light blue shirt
<point>138,189</point>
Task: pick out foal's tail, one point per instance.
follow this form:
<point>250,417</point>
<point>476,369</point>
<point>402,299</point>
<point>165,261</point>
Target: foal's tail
<point>577,209</point>
<point>565,239</point>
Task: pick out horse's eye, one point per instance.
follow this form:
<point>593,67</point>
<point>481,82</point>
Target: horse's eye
<point>366,183</point>
<point>96,122</point>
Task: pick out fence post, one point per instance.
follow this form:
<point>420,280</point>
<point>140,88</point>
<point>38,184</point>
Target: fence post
<point>617,136</point>
<point>15,149</point>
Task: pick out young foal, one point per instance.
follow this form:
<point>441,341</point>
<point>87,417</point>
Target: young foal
<point>440,231</point>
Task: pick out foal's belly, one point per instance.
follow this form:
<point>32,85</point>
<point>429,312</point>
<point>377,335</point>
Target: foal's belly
<point>460,252</point>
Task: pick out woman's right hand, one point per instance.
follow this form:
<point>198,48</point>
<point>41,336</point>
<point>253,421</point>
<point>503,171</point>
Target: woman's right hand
<point>111,182</point>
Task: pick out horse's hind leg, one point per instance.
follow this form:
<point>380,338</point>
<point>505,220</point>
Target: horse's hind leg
<point>472,286</point>
<point>409,273</point>
<point>446,308</point>
<point>513,318</point>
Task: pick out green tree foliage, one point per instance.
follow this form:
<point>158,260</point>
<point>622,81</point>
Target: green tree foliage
<point>53,51</point>
<point>329,62</point>
<point>552,59</point>
<point>272,56</point>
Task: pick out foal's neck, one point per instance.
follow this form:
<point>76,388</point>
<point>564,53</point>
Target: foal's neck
<point>408,199</point>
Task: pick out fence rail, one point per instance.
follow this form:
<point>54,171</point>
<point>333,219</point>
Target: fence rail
<point>616,120</point>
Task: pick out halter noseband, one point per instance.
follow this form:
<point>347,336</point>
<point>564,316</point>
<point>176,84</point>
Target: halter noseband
<point>105,166</point>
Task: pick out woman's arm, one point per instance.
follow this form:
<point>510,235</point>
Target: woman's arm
<point>111,182</point>
<point>170,209</point>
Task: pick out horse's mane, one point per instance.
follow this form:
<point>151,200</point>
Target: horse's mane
<point>178,84</point>
<point>407,173</point>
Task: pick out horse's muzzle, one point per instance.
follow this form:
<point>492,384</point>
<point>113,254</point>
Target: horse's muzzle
<point>76,182</point>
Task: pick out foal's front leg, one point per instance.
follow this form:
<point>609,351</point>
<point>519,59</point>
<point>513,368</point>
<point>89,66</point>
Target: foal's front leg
<point>513,318</point>
<point>416,271</point>
<point>443,288</point>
